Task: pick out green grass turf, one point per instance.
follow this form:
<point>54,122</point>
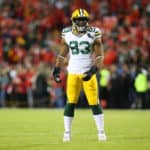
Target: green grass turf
<point>42,129</point>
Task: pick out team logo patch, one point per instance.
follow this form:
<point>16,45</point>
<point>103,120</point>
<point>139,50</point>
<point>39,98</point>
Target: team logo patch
<point>90,36</point>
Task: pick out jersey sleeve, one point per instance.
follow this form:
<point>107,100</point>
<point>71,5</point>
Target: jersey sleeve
<point>94,32</point>
<point>97,33</point>
<point>63,35</point>
<point>65,31</point>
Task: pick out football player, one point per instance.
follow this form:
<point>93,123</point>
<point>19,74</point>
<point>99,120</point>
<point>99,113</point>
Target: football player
<point>80,42</point>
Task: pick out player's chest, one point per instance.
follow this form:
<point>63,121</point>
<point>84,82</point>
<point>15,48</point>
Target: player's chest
<point>80,45</point>
<point>81,38</point>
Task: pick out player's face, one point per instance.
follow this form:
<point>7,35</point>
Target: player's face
<point>81,21</point>
<point>81,24</point>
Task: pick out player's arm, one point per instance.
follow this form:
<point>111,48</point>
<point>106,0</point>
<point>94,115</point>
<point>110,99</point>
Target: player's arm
<point>99,56</point>
<point>62,54</point>
<point>60,60</point>
<point>99,52</point>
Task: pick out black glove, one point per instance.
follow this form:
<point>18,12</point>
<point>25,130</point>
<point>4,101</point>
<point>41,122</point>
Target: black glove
<point>89,73</point>
<point>56,74</point>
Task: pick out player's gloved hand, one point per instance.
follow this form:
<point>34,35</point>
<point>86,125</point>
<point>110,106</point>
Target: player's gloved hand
<point>89,73</point>
<point>56,74</point>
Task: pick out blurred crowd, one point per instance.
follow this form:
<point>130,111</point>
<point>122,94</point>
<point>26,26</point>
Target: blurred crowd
<point>30,33</point>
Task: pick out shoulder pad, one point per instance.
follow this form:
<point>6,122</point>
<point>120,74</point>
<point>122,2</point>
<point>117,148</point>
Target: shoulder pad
<point>96,31</point>
<point>91,29</point>
<point>67,29</point>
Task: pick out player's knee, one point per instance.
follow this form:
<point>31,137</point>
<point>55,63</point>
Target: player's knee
<point>96,109</point>
<point>69,109</point>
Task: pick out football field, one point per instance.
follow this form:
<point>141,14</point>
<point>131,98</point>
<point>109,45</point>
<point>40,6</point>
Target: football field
<point>42,129</point>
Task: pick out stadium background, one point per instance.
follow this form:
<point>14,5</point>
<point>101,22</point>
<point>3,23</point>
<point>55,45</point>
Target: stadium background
<point>30,34</point>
